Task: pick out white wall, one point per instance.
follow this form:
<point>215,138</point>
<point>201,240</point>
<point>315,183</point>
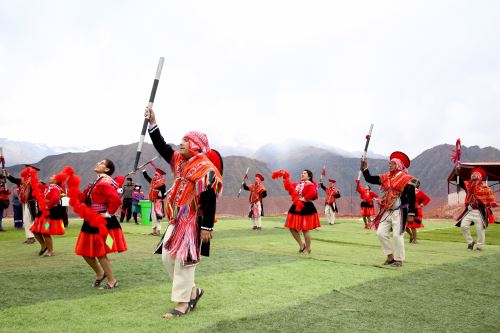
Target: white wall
<point>454,199</point>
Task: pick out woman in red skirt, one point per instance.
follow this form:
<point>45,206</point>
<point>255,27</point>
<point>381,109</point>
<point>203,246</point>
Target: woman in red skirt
<point>101,232</point>
<point>367,208</point>
<point>50,218</point>
<point>421,200</point>
<point>302,215</point>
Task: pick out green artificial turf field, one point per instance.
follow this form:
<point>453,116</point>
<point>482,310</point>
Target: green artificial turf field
<point>257,281</point>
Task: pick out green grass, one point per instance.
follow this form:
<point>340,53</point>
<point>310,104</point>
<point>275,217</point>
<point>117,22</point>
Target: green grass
<point>256,281</point>
<point>445,234</point>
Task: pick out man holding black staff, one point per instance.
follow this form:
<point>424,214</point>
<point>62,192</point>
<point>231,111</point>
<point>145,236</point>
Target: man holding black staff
<point>191,203</point>
<point>257,193</point>
<point>396,206</point>
<point>331,194</point>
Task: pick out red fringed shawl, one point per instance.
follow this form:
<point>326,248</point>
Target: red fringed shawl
<point>479,193</point>
<point>191,178</point>
<point>393,185</point>
<point>255,192</point>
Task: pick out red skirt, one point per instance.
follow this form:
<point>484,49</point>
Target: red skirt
<point>302,222</point>
<point>414,225</point>
<point>367,211</point>
<point>306,219</point>
<point>47,226</point>
<point>91,244</point>
<point>417,221</point>
<point>52,227</point>
<point>50,222</point>
<point>37,225</point>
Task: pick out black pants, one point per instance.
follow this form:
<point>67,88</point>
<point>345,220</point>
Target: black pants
<point>127,207</point>
<point>65,217</point>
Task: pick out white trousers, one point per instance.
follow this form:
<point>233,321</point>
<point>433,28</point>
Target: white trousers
<point>27,221</point>
<point>182,277</point>
<point>391,221</point>
<point>154,219</point>
<point>473,216</point>
<point>256,221</point>
<point>330,214</point>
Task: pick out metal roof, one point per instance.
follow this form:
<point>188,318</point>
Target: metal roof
<point>492,170</point>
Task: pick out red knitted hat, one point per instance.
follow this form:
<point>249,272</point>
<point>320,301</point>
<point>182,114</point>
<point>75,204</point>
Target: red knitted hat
<point>402,157</point>
<point>481,171</point>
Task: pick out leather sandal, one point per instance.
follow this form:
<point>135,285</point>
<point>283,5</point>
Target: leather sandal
<point>193,302</point>
<point>98,282</point>
<point>176,313</point>
<point>108,286</point>
<point>389,262</point>
<point>42,251</point>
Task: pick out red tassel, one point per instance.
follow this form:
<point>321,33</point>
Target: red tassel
<point>88,214</point>
<point>120,180</point>
<point>289,188</point>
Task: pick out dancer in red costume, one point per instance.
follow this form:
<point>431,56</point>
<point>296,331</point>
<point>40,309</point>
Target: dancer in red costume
<point>191,205</point>
<point>367,207</point>
<point>332,193</point>
<point>27,199</point>
<point>478,203</point>
<point>50,217</point>
<point>4,198</point>
<point>397,205</point>
<point>421,200</point>
<point>257,193</point>
<point>302,215</point>
<point>157,193</point>
<point>101,232</point>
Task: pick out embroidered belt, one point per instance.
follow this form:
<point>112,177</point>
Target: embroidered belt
<point>101,208</point>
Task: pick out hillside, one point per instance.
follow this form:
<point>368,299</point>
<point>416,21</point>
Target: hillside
<point>123,156</point>
<point>432,167</point>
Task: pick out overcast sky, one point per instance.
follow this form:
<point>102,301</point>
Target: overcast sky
<point>79,73</point>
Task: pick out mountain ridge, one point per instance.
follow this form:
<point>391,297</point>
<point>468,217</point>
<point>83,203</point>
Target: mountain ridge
<point>431,166</point>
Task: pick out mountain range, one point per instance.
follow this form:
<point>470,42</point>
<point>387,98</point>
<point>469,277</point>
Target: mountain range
<point>17,152</point>
<point>27,152</point>
<point>432,166</point>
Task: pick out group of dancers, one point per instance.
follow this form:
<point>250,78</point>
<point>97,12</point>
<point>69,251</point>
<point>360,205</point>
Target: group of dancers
<point>190,207</point>
<point>400,206</point>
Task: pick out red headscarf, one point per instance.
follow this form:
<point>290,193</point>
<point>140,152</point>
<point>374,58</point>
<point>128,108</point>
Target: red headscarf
<point>399,165</point>
<point>198,142</point>
<point>480,174</point>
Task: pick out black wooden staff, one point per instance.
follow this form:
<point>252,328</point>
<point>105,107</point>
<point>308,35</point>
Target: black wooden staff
<point>141,166</point>
<point>245,177</point>
<point>363,157</point>
<point>4,172</point>
<point>150,105</point>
